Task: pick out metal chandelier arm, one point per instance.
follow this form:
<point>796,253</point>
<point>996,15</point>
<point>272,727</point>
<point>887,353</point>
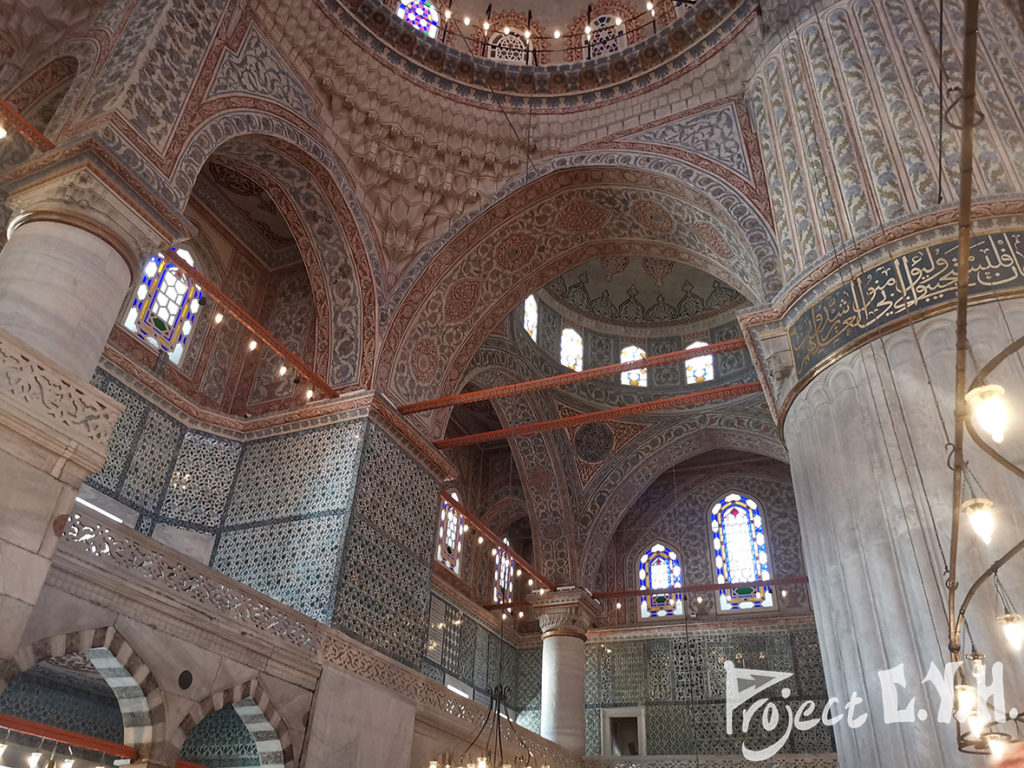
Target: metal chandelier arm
<point>991,571</point>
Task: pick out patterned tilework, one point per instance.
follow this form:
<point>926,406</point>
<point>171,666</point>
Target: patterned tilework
<point>201,479</point>
<point>221,740</point>
<point>680,681</point>
<point>383,592</point>
<point>55,697</point>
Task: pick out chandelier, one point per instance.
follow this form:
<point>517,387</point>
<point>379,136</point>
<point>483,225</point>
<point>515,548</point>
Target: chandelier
<point>981,728</point>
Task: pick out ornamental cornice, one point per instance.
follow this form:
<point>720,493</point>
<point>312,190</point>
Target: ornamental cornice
<point>65,420</point>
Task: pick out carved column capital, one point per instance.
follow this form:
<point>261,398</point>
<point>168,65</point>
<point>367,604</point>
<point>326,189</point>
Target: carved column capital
<point>568,612</point>
<point>89,199</point>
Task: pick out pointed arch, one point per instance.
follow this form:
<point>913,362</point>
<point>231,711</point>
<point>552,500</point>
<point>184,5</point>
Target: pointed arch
<point>261,719</point>
<point>739,549</point>
<point>657,567</point>
<point>138,694</point>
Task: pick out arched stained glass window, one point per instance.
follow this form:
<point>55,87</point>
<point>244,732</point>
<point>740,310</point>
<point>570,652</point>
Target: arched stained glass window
<point>700,369</point>
<point>164,309</point>
<point>572,349</point>
<point>659,569</point>
<point>511,47</point>
<point>421,14</point>
<point>741,552</point>
<point>449,535</point>
<point>638,376</point>
<point>605,36</point>
<point>503,569</point>
<point>530,316</point>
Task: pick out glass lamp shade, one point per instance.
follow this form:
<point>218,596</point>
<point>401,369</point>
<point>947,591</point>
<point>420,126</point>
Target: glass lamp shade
<point>976,663</point>
<point>989,409</point>
<point>966,699</point>
<point>981,515</point>
<point>976,725</point>
<point>997,744</point>
<point>1013,628</point>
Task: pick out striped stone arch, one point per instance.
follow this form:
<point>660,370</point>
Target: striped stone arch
<point>258,713</point>
<point>129,677</point>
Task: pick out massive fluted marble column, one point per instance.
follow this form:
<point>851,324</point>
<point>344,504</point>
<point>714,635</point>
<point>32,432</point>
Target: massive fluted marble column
<point>64,273</point>
<point>564,616</point>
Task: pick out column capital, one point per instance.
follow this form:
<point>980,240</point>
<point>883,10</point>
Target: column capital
<point>569,611</point>
<point>89,198</point>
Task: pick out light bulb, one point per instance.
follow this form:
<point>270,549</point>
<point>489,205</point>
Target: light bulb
<point>977,662</point>
<point>526,34</point>
<point>966,699</point>
<point>218,318</point>
<point>519,571</point>
<point>980,515</point>
<point>481,762</point>
<point>487,25</point>
<point>652,11</point>
<point>976,725</point>
<point>494,551</point>
<point>69,763</point>
<point>650,5</point>
<point>997,743</point>
<point>700,599</point>
<point>1013,628</point>
<point>506,30</point>
<point>3,132</point>
<point>529,583</point>
<point>479,539</point>
<point>586,30</point>
<point>447,14</point>
<point>466,21</point>
<point>618,21</point>
<point>989,409</point>
<point>433,764</point>
<point>540,591</point>
<point>33,759</point>
<point>252,345</point>
<point>521,614</point>
<point>618,605</point>
<point>282,370</point>
<point>557,34</point>
<point>309,394</point>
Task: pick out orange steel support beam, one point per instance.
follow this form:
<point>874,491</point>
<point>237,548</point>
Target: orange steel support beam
<point>13,119</point>
<point>610,414</point>
<point>563,379</point>
<point>495,539</point>
<point>249,322</point>
<point>51,733</point>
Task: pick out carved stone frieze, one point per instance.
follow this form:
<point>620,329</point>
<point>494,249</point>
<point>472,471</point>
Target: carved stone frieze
<point>53,409</point>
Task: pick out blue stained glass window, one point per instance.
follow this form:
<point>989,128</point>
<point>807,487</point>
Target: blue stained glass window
<point>164,309</point>
<point>530,316</point>
<point>572,349</point>
<point>659,569</point>
<point>638,376</point>
<point>503,568</point>
<point>450,531</point>
<point>606,36</point>
<point>421,14</point>
<point>700,369</point>
<point>740,550</point>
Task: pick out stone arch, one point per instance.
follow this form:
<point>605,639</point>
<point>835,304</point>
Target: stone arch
<point>591,204</point>
<point>548,495</point>
<point>138,693</point>
<point>623,481</point>
<point>309,188</point>
<point>261,719</point>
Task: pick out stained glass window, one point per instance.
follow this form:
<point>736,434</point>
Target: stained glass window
<point>659,569</point>
<point>606,36</point>
<point>530,316</point>
<point>741,552</point>
<point>449,535</point>
<point>421,14</point>
<point>572,349</point>
<point>503,568</point>
<point>164,309</point>
<point>511,47</point>
<point>638,376</point>
<point>700,369</point>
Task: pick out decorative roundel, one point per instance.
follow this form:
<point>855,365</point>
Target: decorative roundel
<point>516,252</point>
<point>593,442</point>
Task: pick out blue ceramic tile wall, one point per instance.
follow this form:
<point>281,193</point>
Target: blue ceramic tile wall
<point>221,740</point>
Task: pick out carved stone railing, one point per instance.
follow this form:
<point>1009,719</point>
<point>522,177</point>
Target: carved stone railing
<point>52,407</point>
<point>118,548</point>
